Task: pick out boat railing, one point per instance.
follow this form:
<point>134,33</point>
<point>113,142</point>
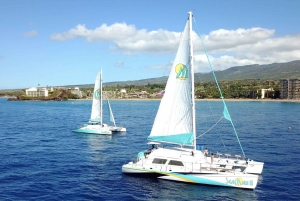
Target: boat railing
<point>229,156</point>
<point>192,167</point>
<point>200,166</point>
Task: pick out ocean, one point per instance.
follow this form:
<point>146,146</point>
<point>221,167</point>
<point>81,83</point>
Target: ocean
<point>42,159</point>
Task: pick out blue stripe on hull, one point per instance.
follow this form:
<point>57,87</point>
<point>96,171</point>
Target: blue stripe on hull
<point>92,131</point>
<point>197,180</point>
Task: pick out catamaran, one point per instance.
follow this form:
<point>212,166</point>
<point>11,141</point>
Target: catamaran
<point>95,124</point>
<point>175,123</point>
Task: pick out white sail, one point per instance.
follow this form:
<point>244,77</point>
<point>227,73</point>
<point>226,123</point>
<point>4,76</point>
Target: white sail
<point>174,119</point>
<point>111,115</point>
<point>96,114</point>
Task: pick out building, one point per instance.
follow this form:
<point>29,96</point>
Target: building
<point>77,92</point>
<point>37,92</point>
<point>264,92</point>
<point>142,94</point>
<point>290,89</point>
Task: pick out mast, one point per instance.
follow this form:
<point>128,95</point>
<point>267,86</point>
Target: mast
<point>101,97</point>
<point>192,76</point>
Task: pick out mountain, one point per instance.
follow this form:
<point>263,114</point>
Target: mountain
<point>275,71</point>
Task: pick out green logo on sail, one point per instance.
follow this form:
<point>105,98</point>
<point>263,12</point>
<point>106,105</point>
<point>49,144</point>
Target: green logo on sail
<point>181,71</point>
<point>97,94</point>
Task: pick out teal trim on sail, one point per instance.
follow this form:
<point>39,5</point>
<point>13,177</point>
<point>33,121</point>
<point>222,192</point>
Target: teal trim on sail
<point>184,139</point>
<point>226,113</point>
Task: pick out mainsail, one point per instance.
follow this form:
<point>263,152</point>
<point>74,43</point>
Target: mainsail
<point>97,100</point>
<point>174,119</point>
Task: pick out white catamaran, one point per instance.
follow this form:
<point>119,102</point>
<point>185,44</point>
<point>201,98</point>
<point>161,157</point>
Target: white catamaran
<point>175,124</point>
<point>95,124</point>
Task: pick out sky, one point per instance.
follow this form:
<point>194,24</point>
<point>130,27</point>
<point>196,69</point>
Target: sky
<point>56,43</point>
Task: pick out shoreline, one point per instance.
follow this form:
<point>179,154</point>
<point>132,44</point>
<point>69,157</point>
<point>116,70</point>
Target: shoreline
<point>226,100</point>
<point>143,99</point>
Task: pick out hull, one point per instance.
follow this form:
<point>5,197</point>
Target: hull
<point>246,181</point>
<point>117,129</point>
<point>226,179</point>
<point>101,131</point>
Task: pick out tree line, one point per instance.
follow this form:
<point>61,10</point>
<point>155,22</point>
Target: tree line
<point>230,89</point>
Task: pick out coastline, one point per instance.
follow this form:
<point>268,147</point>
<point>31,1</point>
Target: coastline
<point>226,100</point>
<point>143,99</point>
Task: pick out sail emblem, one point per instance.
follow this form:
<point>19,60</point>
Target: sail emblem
<point>97,94</point>
<point>181,71</point>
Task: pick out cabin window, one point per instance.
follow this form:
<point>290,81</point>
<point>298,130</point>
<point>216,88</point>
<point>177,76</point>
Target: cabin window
<point>178,163</point>
<point>159,161</point>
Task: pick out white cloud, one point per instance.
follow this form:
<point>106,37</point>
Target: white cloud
<point>226,48</point>
<point>126,38</point>
<point>119,64</point>
<point>31,33</point>
<point>115,32</point>
<point>223,40</point>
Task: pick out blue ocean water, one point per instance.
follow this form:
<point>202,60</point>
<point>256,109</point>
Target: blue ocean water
<point>42,159</point>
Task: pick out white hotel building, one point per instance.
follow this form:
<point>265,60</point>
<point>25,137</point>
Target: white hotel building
<point>35,92</point>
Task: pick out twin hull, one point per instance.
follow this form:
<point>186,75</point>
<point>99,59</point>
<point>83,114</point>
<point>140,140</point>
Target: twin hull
<point>97,129</point>
<point>186,166</point>
<point>93,131</point>
<point>237,180</point>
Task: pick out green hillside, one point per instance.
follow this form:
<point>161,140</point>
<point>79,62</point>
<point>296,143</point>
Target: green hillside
<point>275,71</point>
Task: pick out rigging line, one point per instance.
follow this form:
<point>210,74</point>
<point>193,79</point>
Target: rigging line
<point>225,107</point>
<point>210,128</point>
<point>209,105</point>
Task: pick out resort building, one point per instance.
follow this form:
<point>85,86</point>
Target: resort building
<point>77,92</point>
<point>37,92</point>
<point>142,94</point>
<point>290,89</point>
<point>264,92</point>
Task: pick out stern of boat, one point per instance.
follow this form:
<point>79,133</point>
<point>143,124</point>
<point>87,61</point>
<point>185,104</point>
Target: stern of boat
<point>117,129</point>
<point>254,167</point>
